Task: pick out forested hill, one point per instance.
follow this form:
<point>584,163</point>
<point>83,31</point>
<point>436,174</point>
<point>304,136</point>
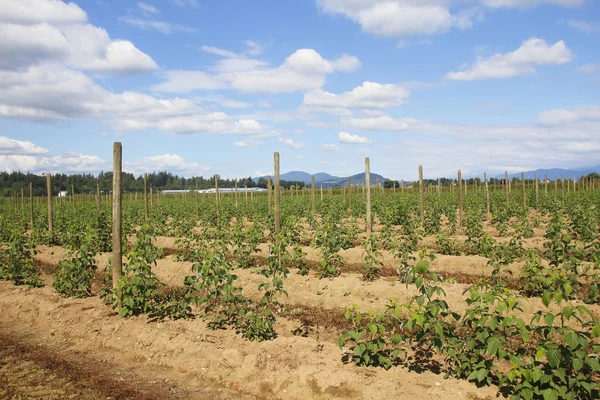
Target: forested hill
<point>86,183</point>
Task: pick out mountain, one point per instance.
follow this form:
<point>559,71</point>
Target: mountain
<point>326,179</point>
<point>555,173</point>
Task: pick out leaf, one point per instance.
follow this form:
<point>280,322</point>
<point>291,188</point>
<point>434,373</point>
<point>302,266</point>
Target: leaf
<point>493,346</point>
<point>550,394</point>
<point>546,298</point>
<point>553,357</point>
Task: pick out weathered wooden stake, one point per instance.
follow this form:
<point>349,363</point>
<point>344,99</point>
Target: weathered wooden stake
<point>421,204</point>
<point>116,211</point>
<point>523,189</point>
<point>507,187</point>
<point>368,184</point>
<point>312,194</point>
<point>276,183</point>
<point>218,202</point>
<point>537,183</point>
<point>236,192</point>
<point>31,205</point>
<point>49,189</point>
<point>460,198</point>
<point>145,196</point>
<point>487,195</point>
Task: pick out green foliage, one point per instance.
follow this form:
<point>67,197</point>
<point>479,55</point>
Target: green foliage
<point>76,272</point>
<point>18,264</point>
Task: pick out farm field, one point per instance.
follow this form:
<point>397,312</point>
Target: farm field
<point>451,301</point>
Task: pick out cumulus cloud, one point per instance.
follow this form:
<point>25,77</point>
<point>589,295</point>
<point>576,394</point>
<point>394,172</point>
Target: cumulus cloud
<point>51,93</point>
<point>15,147</point>
<point>40,31</point>
<point>522,61</point>
<point>353,139</point>
<point>164,162</point>
<point>370,95</point>
<point>66,163</point>
<point>303,70</point>
<point>402,18</point>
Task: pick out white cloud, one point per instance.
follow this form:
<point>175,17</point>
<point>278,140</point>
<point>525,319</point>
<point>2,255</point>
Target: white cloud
<point>584,26</point>
<point>41,31</point>
<point>254,48</point>
<point>303,70</point>
<point>532,52</point>
<point>589,68</point>
<point>247,143</point>
<point>218,51</point>
<point>164,162</point>
<point>289,142</point>
<point>330,147</point>
<point>147,9</point>
<point>381,123</point>
<point>353,139</point>
<point>37,11</point>
<point>66,163</point>
<point>183,3</point>
<point>405,43</point>
<point>15,147</point>
<point>370,95</point>
<point>50,93</point>
<point>153,25</point>
<point>569,115</point>
<point>397,18</point>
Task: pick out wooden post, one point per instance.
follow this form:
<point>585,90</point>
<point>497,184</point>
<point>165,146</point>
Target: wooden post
<point>487,195</point>
<point>269,192</point>
<point>31,205</point>
<point>555,186</point>
<point>22,200</point>
<point>116,211</point>
<point>537,183</point>
<point>73,196</point>
<point>246,193</point>
<point>218,202</point>
<point>236,192</point>
<point>276,183</point>
<point>438,187</point>
<point>507,187</point>
<point>394,186</point>
<point>421,204</point>
<point>350,195</point>
<point>460,198</point>
<point>523,189</point>
<point>151,197</point>
<point>546,185</point>
<point>312,194</point>
<point>146,196</point>
<point>368,184</point>
<point>98,196</point>
<point>49,189</point>
<point>402,185</point>
<point>321,192</point>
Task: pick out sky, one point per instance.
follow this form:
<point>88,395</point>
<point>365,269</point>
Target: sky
<point>203,87</point>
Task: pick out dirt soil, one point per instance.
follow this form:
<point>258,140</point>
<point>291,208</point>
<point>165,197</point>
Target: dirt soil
<point>78,348</point>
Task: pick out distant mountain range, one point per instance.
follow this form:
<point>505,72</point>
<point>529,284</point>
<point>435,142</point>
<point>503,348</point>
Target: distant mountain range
<point>555,173</point>
<point>326,179</point>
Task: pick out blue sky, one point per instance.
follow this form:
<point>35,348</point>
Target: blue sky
<point>200,87</point>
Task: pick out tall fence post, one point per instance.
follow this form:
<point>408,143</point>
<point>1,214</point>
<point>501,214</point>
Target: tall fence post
<point>523,189</point>
<point>31,205</point>
<point>236,192</point>
<point>507,187</point>
<point>421,203</point>
<point>146,196</point>
<point>487,195</point>
<point>218,201</point>
<point>312,194</point>
<point>537,183</point>
<point>116,211</point>
<point>368,185</point>
<point>49,190</point>
<point>460,198</point>
<point>276,187</point>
